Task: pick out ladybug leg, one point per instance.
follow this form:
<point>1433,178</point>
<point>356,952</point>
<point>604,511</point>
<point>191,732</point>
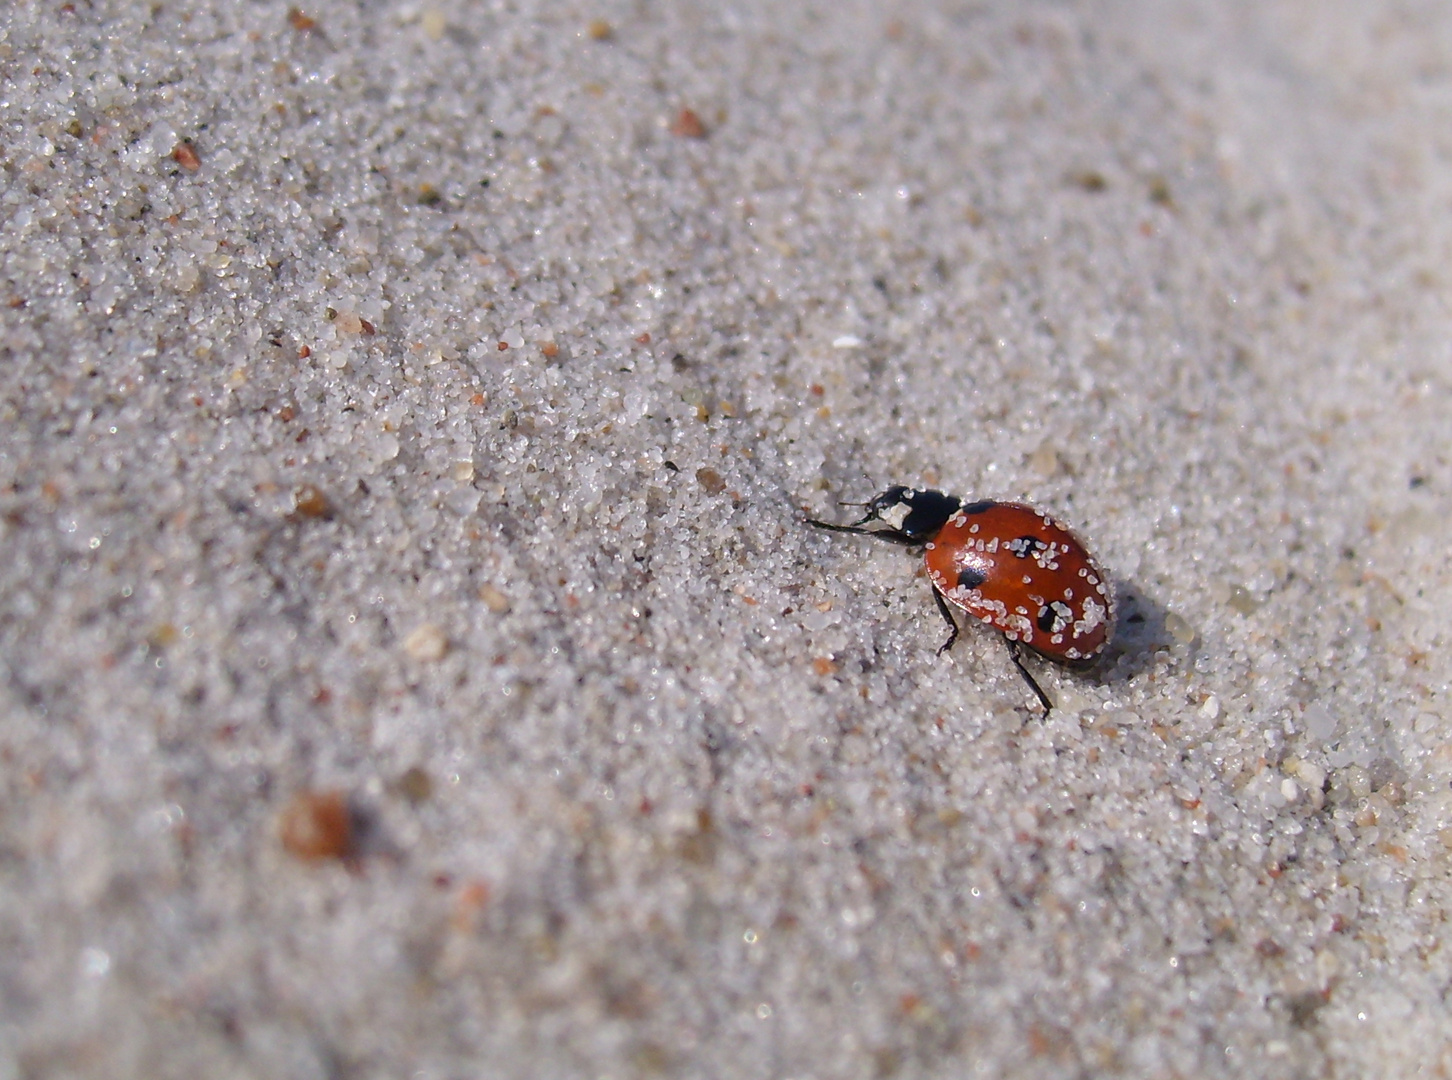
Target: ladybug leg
<point>948,618</point>
<point>857,529</point>
<point>1015,651</point>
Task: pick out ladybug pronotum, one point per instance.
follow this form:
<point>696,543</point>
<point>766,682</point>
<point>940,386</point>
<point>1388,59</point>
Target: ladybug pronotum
<point>1006,564</point>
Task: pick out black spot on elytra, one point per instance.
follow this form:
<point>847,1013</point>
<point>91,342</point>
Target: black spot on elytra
<point>1052,618</point>
<point>970,579</point>
<point>1024,546</point>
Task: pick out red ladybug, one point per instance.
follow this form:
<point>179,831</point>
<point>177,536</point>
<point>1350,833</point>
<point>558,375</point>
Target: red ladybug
<point>1006,564</point>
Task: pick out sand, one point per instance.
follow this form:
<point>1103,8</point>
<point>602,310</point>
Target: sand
<point>413,660</point>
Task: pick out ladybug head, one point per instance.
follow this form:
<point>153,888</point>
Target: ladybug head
<point>908,515</point>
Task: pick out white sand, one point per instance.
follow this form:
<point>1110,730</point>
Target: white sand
<point>653,780</point>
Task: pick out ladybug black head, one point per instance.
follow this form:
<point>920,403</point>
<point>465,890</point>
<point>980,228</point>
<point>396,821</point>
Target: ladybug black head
<point>909,515</point>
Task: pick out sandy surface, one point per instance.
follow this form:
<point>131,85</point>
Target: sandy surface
<point>408,415</point>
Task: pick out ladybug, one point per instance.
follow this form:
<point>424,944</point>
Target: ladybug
<point>1006,564</point>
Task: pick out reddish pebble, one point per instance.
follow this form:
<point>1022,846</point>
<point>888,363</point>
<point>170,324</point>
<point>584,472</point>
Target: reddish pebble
<point>415,784</point>
<point>185,155</point>
<point>300,22</point>
<point>309,501</point>
<point>317,825</point>
<point>688,125</point>
<point>469,904</point>
<point>711,480</point>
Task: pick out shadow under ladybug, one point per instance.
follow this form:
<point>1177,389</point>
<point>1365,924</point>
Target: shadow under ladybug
<point>1008,565</point>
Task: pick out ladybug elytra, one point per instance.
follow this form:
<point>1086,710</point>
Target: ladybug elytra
<point>1006,564</point>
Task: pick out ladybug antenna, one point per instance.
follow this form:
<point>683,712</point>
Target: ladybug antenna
<point>870,487</point>
<point>874,514</point>
<point>851,527</point>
